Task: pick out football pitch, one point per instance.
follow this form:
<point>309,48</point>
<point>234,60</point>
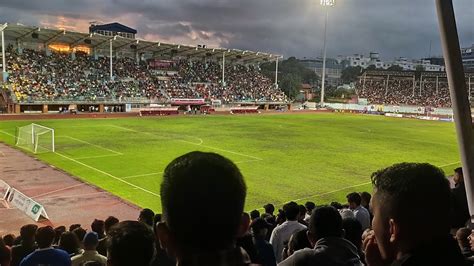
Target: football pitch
<point>284,157</point>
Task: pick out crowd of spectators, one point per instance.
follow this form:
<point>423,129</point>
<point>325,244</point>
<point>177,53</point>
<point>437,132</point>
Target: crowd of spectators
<point>35,76</point>
<point>427,92</point>
<point>389,228</point>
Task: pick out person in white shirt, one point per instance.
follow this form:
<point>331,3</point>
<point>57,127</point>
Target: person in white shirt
<point>361,214</point>
<point>91,240</point>
<point>283,232</point>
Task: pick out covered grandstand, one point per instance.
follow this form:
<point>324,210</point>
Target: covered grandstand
<point>19,40</point>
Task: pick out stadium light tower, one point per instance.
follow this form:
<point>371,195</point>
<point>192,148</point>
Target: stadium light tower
<point>4,63</point>
<point>326,5</point>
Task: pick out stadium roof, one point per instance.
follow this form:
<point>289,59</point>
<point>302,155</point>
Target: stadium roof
<point>22,33</point>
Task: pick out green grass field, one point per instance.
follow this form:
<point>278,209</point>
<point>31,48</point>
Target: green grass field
<point>319,157</point>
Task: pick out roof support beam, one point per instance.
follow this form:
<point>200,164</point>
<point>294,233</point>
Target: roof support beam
<point>28,33</point>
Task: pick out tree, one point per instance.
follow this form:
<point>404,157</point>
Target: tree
<point>289,66</point>
<point>350,74</point>
<point>291,84</point>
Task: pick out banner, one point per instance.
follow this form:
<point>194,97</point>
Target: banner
<point>31,208</point>
<point>4,189</point>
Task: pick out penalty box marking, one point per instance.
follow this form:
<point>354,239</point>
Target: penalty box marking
<point>196,144</point>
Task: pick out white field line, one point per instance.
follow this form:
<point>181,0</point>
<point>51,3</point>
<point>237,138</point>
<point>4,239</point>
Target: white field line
<point>98,156</point>
<point>76,196</point>
<point>97,146</point>
<point>107,174</point>
<point>157,135</point>
<point>6,133</point>
<point>444,165</point>
<point>58,190</point>
<point>197,144</point>
<point>150,174</point>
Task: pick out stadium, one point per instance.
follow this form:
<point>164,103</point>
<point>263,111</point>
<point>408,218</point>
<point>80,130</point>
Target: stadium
<point>93,126</point>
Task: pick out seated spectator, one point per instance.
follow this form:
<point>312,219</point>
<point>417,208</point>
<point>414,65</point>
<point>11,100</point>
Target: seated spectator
<point>90,242</point>
<point>254,215</point>
<point>59,231</point>
<point>460,211</point>
<point>259,229</point>
<point>5,254</point>
<point>73,226</point>
<point>310,206</point>
<point>402,233</point>
<point>302,215</point>
<point>213,182</point>
<point>269,209</point>
<point>98,226</point>
<point>130,243</point>
<point>146,216</point>
<point>330,248</point>
<point>336,205</point>
<point>353,233</point>
<point>9,239</point>
<point>46,254</point>
<point>69,242</point>
<point>298,241</point>
<point>80,233</point>
<point>365,202</point>
<point>108,223</point>
<point>361,214</point>
<point>283,232</point>
<point>27,243</point>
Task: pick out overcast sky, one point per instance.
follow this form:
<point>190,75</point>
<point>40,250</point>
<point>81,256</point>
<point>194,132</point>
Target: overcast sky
<point>290,27</point>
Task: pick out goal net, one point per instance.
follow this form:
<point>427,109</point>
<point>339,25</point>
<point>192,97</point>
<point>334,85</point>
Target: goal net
<point>36,138</point>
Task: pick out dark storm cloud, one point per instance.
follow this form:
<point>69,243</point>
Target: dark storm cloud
<point>393,28</point>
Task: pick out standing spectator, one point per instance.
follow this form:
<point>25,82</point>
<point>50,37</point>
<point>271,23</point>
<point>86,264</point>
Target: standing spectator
<point>146,216</point>
<point>460,211</point>
<point>98,226</point>
<point>283,232</point>
<point>254,215</point>
<point>90,242</point>
<point>365,202</point>
<point>269,209</point>
<point>259,229</point>
<point>330,248</point>
<point>27,244</point>
<point>59,231</point>
<point>310,206</point>
<point>302,215</point>
<point>130,243</point>
<point>108,223</point>
<point>213,182</point>
<point>9,239</point>
<point>298,241</point>
<point>46,254</point>
<point>402,233</point>
<point>70,243</point>
<point>361,214</point>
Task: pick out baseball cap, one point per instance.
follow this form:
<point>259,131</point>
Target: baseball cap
<point>91,238</point>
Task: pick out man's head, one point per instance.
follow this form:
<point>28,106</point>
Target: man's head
<point>90,241</point>
<point>302,213</point>
<point>98,226</point>
<point>130,243</point>
<point>146,216</point>
<point>399,223</point>
<point>269,208</point>
<point>324,222</point>
<point>73,226</point>
<point>354,199</point>
<point>254,214</point>
<point>458,176</point>
<point>462,236</point>
<point>28,233</point>
<point>310,207</point>
<point>260,227</point>
<point>45,236</point>
<point>211,182</point>
<point>365,199</point>
<point>292,211</point>
<point>109,222</point>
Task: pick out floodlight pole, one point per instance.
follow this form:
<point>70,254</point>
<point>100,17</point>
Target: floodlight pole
<point>276,73</point>
<point>459,98</point>
<point>223,69</point>
<point>326,5</point>
<point>4,61</point>
<point>110,59</point>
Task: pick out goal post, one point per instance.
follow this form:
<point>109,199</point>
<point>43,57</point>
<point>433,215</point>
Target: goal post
<point>36,138</point>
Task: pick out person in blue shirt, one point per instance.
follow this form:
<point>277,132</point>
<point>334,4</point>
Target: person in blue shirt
<point>46,254</point>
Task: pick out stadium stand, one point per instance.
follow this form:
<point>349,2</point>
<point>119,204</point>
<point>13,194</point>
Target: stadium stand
<point>426,89</point>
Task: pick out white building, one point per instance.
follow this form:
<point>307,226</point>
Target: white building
<point>374,59</point>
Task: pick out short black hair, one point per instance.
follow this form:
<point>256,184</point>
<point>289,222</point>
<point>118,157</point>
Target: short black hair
<point>354,197</point>
<point>310,206</point>
<point>299,240</point>
<point>402,188</point>
<point>291,210</point>
<point>147,216</point>
<point>353,231</point>
<point>254,214</point>
<point>45,236</point>
<point>211,182</point>
<point>130,243</point>
<point>28,232</point>
<point>269,208</point>
<point>80,233</point>
<point>336,205</point>
<point>73,226</point>
<point>69,242</point>
<point>302,210</point>
<point>325,222</point>
<point>458,171</point>
<point>98,226</point>
<point>109,222</point>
